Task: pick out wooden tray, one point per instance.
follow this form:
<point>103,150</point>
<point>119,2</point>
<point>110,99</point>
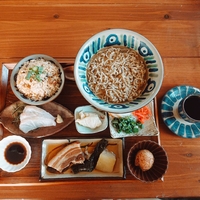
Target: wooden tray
<point>71,98</point>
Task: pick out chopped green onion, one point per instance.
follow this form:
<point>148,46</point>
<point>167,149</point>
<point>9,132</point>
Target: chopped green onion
<point>29,74</point>
<point>126,124</point>
<point>35,73</point>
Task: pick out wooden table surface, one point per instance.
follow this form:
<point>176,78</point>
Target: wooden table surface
<point>59,28</point>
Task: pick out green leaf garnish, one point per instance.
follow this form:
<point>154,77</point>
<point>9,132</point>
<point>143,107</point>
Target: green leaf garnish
<point>35,73</point>
<point>127,125</point>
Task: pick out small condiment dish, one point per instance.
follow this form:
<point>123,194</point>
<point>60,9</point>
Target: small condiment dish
<point>149,127</point>
<point>15,153</point>
<point>90,109</point>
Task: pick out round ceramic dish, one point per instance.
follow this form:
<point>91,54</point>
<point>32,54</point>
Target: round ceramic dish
<point>4,147</point>
<point>16,69</point>
<point>160,161</point>
<point>124,38</point>
<point>90,109</point>
<point>170,114</point>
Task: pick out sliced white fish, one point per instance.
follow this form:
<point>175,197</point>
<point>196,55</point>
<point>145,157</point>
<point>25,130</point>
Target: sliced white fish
<point>35,111</point>
<point>33,117</point>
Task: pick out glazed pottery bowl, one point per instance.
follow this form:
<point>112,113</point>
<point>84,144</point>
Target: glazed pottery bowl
<point>160,164</point>
<point>30,58</point>
<point>123,38</point>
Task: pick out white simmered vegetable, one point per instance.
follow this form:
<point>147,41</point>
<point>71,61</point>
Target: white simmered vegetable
<point>90,120</point>
<point>106,161</point>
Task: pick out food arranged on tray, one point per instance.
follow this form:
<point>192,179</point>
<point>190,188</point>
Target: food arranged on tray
<point>82,158</point>
<point>119,78</point>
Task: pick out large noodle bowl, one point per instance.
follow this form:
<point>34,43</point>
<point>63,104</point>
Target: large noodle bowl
<point>117,74</point>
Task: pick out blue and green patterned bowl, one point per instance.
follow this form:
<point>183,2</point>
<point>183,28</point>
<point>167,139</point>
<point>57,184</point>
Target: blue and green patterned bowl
<point>129,39</point>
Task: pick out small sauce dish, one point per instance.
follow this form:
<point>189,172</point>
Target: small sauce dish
<point>15,153</point>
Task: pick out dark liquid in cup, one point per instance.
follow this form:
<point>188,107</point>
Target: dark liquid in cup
<point>192,107</point>
<point>15,153</point>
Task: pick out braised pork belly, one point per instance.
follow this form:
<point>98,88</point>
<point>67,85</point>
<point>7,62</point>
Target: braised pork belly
<point>71,154</point>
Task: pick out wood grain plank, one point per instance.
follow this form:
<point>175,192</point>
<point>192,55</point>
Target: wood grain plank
<point>102,12</point>
<point>61,2</point>
<point>26,28</point>
<point>65,39</point>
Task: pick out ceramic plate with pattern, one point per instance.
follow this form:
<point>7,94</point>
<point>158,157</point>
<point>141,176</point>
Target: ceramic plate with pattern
<point>129,39</point>
<point>90,109</point>
<point>114,145</point>
<point>170,115</point>
<point>149,126</point>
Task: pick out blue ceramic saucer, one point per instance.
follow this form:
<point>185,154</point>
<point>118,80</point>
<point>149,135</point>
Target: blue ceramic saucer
<point>170,115</point>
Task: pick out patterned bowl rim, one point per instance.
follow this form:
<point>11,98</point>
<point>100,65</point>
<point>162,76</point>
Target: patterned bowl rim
<point>141,101</point>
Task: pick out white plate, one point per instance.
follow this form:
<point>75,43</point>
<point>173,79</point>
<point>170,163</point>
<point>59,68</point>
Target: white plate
<point>49,144</point>
<point>4,143</point>
<point>90,109</point>
<point>149,129</point>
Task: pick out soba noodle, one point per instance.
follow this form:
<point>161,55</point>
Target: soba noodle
<point>117,74</point>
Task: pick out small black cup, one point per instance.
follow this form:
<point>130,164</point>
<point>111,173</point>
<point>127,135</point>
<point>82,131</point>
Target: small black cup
<point>189,108</point>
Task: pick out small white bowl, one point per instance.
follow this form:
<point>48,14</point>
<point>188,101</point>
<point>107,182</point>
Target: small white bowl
<point>21,153</point>
<point>14,73</point>
<point>90,109</point>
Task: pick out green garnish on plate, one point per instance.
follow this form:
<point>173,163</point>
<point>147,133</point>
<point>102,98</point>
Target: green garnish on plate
<point>126,124</point>
<point>35,73</point>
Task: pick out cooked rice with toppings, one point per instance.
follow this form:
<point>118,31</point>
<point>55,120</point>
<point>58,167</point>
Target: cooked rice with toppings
<point>117,74</point>
<point>48,84</point>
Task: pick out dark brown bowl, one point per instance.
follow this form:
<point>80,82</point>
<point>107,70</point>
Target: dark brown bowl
<point>160,164</point>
